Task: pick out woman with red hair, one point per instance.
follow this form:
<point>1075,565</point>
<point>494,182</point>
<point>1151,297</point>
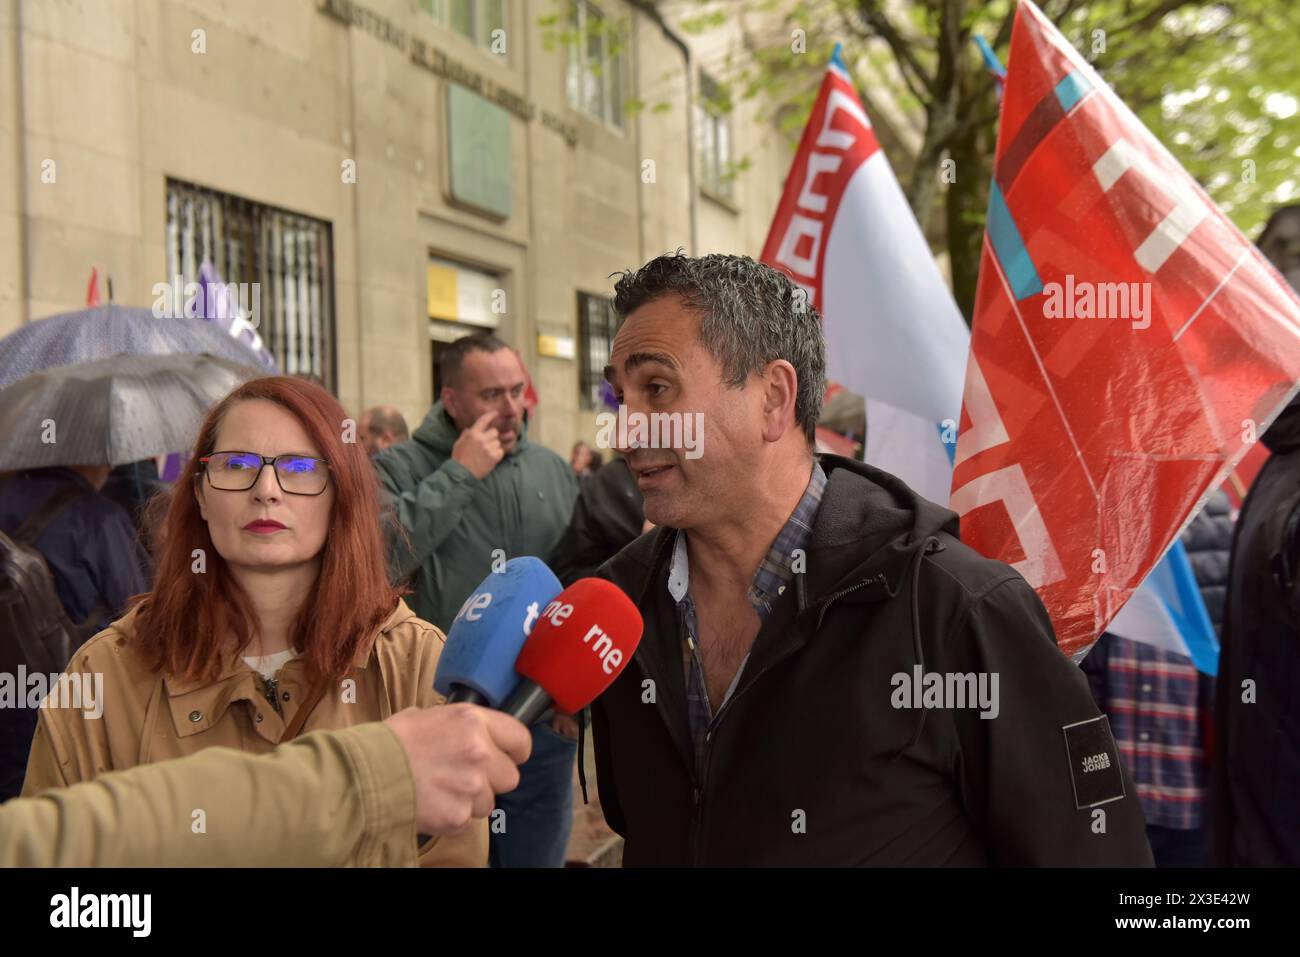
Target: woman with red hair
<point>271,612</point>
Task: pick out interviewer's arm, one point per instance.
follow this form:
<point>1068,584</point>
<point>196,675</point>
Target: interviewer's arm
<point>326,799</point>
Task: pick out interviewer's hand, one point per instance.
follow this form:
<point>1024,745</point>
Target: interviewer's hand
<point>461,757</point>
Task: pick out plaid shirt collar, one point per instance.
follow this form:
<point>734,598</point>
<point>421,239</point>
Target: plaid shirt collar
<point>776,571</point>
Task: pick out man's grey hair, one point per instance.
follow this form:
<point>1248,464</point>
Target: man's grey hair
<point>385,418</point>
<point>750,314</point>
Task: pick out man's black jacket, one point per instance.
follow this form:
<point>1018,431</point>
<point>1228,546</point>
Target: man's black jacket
<point>810,762</point>
<point>1256,786</point>
<point>607,517</point>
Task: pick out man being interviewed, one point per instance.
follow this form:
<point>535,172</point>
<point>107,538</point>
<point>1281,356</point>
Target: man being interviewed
<point>828,676</point>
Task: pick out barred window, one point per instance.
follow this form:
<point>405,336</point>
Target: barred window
<point>717,174</point>
<point>290,256</point>
<point>595,75</point>
<point>597,325</point>
<point>476,20</point>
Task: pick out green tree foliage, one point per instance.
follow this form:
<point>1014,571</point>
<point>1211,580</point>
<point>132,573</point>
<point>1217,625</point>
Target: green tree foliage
<point>1216,82</point>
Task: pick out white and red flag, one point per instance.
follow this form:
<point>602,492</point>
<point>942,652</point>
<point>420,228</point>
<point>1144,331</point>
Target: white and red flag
<point>1129,344</point>
<point>844,231</point>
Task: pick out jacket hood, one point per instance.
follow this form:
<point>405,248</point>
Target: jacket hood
<point>871,522</point>
<point>1284,434</point>
<point>439,432</point>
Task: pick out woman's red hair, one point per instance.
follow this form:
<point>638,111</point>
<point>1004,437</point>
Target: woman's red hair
<point>183,621</point>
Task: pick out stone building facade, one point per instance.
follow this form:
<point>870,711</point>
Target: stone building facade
<point>391,174</point>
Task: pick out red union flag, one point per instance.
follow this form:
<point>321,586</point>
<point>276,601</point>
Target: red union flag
<point>844,232</point>
<point>1128,347</point>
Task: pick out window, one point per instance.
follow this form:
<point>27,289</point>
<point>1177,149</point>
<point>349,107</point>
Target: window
<point>461,301</point>
<point>457,293</point>
<point>717,175</point>
<point>290,257</point>
<point>597,325</point>
<point>474,19</point>
<point>595,76</point>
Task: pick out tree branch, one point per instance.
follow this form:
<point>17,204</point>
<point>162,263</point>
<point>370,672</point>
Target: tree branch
<point>972,122</point>
<point>952,38</point>
<point>1144,21</point>
<point>985,84</point>
<point>1003,36</point>
<point>867,34</point>
<point>885,29</point>
<point>1066,9</point>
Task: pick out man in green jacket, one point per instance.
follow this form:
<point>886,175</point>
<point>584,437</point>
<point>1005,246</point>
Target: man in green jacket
<point>470,492</point>
<point>469,488</point>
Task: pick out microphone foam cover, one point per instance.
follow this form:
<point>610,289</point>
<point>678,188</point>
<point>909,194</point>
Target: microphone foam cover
<point>490,628</point>
<point>583,641</point>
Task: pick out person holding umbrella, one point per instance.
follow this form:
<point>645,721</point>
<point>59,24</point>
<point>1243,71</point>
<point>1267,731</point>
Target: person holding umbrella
<point>271,611</point>
<point>87,540</point>
<point>88,545</point>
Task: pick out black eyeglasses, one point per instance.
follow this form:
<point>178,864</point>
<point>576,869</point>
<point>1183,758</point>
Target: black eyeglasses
<point>239,471</point>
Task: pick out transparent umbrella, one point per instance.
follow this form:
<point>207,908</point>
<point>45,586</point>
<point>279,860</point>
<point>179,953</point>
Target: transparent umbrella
<point>90,334</point>
<point>111,385</point>
<point>111,411</point>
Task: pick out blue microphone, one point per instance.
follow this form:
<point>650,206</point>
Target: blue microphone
<point>478,661</point>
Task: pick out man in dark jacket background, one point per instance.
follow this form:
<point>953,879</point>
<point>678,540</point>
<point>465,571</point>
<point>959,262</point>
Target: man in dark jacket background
<point>1256,786</point>
<point>470,492</point>
<point>827,675</point>
<point>90,547</point>
<point>90,544</point>
<point>606,519</point>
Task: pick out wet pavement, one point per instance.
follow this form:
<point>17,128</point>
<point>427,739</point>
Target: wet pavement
<point>592,843</point>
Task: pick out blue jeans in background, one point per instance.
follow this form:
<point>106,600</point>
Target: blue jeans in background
<point>538,813</point>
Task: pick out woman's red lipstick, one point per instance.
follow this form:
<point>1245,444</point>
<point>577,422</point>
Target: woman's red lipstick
<point>264,526</point>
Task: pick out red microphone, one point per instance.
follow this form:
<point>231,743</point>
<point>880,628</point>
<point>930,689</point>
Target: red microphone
<point>581,643</point>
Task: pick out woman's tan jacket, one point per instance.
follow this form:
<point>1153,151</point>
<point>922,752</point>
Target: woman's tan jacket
<point>147,716</point>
